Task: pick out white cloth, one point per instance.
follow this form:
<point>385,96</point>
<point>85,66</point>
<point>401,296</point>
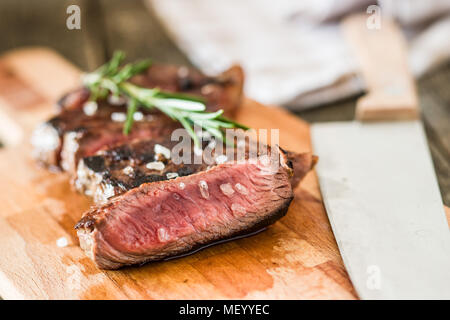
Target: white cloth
<point>292,51</point>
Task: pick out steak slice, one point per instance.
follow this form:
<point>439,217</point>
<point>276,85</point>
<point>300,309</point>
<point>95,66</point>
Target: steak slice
<point>169,218</point>
<point>119,169</point>
<point>86,141</point>
<point>47,138</point>
<point>74,125</point>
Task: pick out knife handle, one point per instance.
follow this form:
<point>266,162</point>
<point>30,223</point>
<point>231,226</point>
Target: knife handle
<point>382,55</point>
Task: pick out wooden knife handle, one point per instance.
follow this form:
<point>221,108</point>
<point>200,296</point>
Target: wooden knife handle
<point>384,65</point>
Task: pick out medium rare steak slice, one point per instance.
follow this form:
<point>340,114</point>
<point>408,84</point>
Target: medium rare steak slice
<point>221,92</point>
<point>169,218</point>
<point>119,169</point>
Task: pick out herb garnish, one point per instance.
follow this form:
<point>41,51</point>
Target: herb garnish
<point>189,110</point>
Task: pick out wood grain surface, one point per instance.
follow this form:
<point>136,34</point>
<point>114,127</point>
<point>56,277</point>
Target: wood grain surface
<point>296,258</point>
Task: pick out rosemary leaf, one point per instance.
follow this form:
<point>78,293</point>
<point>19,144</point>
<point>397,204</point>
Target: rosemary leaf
<point>132,107</point>
<point>187,109</point>
<point>186,105</point>
<point>206,116</point>
<point>191,132</point>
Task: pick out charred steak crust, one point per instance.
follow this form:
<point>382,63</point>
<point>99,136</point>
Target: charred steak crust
<point>87,141</point>
<point>48,137</point>
<point>164,219</point>
<point>88,217</point>
<point>116,170</point>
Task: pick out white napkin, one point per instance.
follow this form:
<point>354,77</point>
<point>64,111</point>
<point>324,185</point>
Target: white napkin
<point>292,51</point>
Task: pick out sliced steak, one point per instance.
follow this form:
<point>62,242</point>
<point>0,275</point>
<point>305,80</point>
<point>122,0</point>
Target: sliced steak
<point>80,128</point>
<point>119,169</point>
<point>169,218</point>
<point>47,138</point>
<point>86,141</point>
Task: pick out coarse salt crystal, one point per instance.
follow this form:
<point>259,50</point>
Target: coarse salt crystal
<point>118,116</point>
<point>90,108</point>
<point>207,89</point>
<point>155,165</point>
<point>128,170</point>
<point>138,116</point>
<point>221,159</point>
<point>183,72</point>
<point>204,189</point>
<point>237,208</point>
<point>241,189</point>
<point>182,185</point>
<point>45,137</point>
<point>163,235</point>
<point>159,149</point>
<point>227,189</point>
<point>62,242</point>
<point>172,175</point>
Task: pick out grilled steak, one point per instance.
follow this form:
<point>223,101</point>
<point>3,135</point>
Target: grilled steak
<point>86,141</point>
<point>76,133</point>
<point>169,218</point>
<point>119,169</point>
<point>48,137</point>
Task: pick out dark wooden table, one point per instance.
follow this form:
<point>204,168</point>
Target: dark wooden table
<point>107,25</point>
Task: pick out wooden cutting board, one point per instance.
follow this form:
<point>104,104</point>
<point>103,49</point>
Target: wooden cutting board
<point>296,258</point>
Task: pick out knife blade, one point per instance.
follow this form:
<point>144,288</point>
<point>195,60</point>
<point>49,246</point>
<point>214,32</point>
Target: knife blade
<point>377,178</point>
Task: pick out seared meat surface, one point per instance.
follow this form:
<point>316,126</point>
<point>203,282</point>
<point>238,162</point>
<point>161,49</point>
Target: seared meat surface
<point>116,170</point>
<point>168,218</point>
<point>86,141</point>
<point>119,169</point>
<point>47,138</point>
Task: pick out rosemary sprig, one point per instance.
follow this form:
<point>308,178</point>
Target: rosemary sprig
<point>189,110</point>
